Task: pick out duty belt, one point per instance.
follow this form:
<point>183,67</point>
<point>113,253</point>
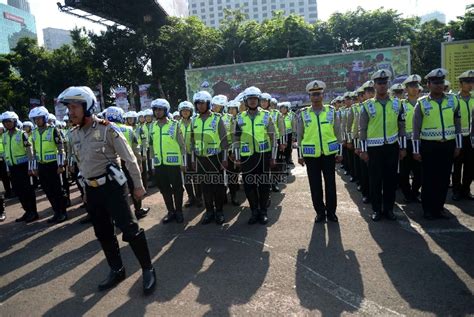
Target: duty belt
<point>96,182</point>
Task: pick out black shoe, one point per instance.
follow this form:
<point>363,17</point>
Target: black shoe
<point>207,218</point>
<point>469,196</point>
<point>407,200</point>
<point>142,212</point>
<point>269,202</point>
<point>320,218</point>
<point>169,217</point>
<point>189,203</point>
<point>220,217</point>
<point>428,216</point>
<point>235,202</point>
<point>359,188</point>
<point>346,172</point>
<point>86,219</point>
<point>416,199</point>
<point>82,206</point>
<point>22,218</point>
<point>275,188</point>
<point>263,218</point>
<point>179,217</point>
<point>352,179</point>
<point>113,279</point>
<point>61,218</point>
<point>456,197</point>
<point>376,216</point>
<point>3,216</point>
<point>9,195</point>
<point>389,215</point>
<point>332,217</point>
<point>366,200</point>
<point>254,217</point>
<point>198,203</point>
<point>53,219</point>
<point>32,217</point>
<point>149,281</point>
<point>442,215</point>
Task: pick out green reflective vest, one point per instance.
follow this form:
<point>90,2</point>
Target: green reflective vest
<point>227,120</point>
<point>165,144</point>
<point>254,137</point>
<point>15,152</point>
<point>46,150</point>
<point>127,132</point>
<point>186,131</point>
<point>2,150</point>
<point>355,111</point>
<point>288,119</point>
<point>408,111</point>
<point>438,119</point>
<point>206,135</point>
<point>383,121</point>
<point>319,138</point>
<point>275,114</point>
<point>466,109</point>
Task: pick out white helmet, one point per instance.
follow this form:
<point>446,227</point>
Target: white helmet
<point>176,114</point>
<point>130,114</point>
<point>240,97</point>
<point>233,104</point>
<point>266,96</point>
<point>19,124</point>
<point>66,118</point>
<point>10,115</point>
<point>219,100</point>
<point>114,114</point>
<point>148,112</point>
<point>274,101</point>
<point>185,105</point>
<point>286,104</point>
<point>141,113</point>
<point>202,96</point>
<point>28,124</point>
<point>52,117</point>
<point>81,94</point>
<point>161,103</point>
<point>38,112</point>
<point>252,92</point>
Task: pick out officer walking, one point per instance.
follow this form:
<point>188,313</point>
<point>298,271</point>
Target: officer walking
<point>20,164</point>
<point>437,139</point>
<point>169,159</point>
<point>209,141</point>
<point>320,147</point>
<point>464,163</point>
<point>256,153</point>
<point>381,125</point>
<point>98,147</point>
<point>408,165</point>
<point>48,148</point>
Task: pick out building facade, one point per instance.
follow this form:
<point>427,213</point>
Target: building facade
<point>14,24</point>
<point>55,38</point>
<point>20,4</point>
<point>212,11</point>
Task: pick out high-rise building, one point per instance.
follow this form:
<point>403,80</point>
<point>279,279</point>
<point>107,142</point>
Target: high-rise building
<point>55,38</point>
<point>20,4</point>
<point>212,11</point>
<point>435,15</point>
<point>14,24</point>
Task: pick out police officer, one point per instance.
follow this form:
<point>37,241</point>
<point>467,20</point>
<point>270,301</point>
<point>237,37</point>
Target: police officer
<point>193,189</point>
<point>408,165</point>
<point>320,147</point>
<point>290,130</point>
<point>20,164</point>
<point>233,171</point>
<point>209,141</point>
<point>465,161</point>
<point>352,118</point>
<point>397,91</point>
<point>115,115</point>
<point>142,133</point>
<point>98,146</point>
<point>437,139</point>
<point>3,167</point>
<point>369,93</point>
<point>147,125</point>
<point>381,125</point>
<point>48,148</point>
<point>256,153</point>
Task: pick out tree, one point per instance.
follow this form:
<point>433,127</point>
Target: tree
<point>426,47</point>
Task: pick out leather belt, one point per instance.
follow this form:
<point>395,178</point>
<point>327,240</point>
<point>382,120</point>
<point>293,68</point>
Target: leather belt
<point>96,182</point>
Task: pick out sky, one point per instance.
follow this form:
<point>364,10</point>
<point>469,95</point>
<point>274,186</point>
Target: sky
<point>47,14</point>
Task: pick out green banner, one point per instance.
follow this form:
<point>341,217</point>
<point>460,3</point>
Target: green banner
<point>286,79</point>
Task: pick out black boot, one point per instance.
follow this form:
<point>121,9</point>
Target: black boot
<point>220,217</point>
<point>140,249</point>
<point>179,216</point>
<point>254,217</point>
<point>117,271</point>
<point>169,217</point>
<point>22,218</point>
<point>262,217</point>
<point>61,217</point>
<point>142,212</point>
<point>33,216</point>
<point>54,218</point>
<point>208,217</point>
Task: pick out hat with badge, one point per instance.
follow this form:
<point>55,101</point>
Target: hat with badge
<point>381,74</point>
<point>412,78</point>
<point>468,74</point>
<point>437,73</point>
<point>360,90</point>
<point>397,87</point>
<point>315,85</point>
<point>347,94</point>
<point>368,84</point>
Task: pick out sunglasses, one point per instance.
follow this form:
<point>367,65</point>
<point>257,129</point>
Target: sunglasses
<point>437,81</point>
<point>316,94</point>
<point>381,82</point>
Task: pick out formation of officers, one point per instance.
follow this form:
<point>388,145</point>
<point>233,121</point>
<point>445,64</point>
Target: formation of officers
<point>383,139</point>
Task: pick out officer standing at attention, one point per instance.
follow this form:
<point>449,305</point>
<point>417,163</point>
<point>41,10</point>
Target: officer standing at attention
<point>320,147</point>
<point>48,147</point>
<point>465,161</point>
<point>381,125</point>
<point>256,145</point>
<point>20,160</point>
<point>209,141</point>
<point>169,159</point>
<point>437,140</point>
<point>411,192</point>
<point>98,147</point>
